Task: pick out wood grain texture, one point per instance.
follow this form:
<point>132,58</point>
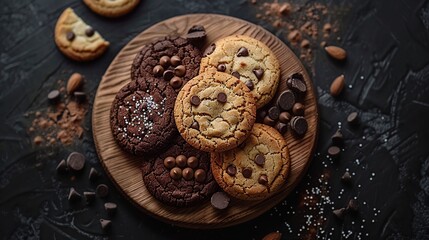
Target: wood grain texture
<point>124,169</point>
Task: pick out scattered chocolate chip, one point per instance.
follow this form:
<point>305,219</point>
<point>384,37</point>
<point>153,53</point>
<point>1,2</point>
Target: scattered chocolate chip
<point>76,161</point>
<point>158,70</point>
<point>105,224</point>
<point>62,166</point>
<point>298,109</point>
<point>260,160</point>
<point>231,170</point>
<point>260,114</point>
<point>54,96</point>
<point>196,28</point>
<point>70,36</point>
<point>176,82</point>
<point>299,125</point>
<point>258,73</point>
<point>274,113</point>
<point>339,213</point>
<point>175,61</point>
<point>74,195</point>
<point>284,117</point>
<point>268,121</point>
<point>89,197</point>
<point>273,236</point>
<point>249,84</point>
<point>169,162</point>
<point>209,50</point>
<point>242,52</point>
<point>353,118</point>
<point>195,100</point>
<point>93,174</point>
<point>195,125</point>
<point>193,162</point>
<point>263,179</point>
<point>188,173</point>
<point>296,84</point>
<point>281,127</point>
<point>168,75</point>
<point>221,97</point>
<point>181,161</point>
<point>221,67</point>
<point>220,200</point>
<point>200,175</point>
<point>286,100</point>
<point>102,190</point>
<point>247,172</point>
<point>236,74</point>
<point>176,173</point>
<point>89,32</point>
<point>110,208</point>
<point>334,151</point>
<point>80,96</point>
<point>164,61</point>
<point>346,178</point>
<point>337,139</point>
<point>353,205</point>
<point>180,71</point>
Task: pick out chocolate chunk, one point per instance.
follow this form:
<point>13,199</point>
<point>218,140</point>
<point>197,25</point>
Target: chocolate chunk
<point>200,175</point>
<point>286,100</point>
<point>180,71</point>
<point>353,205</point>
<point>89,31</point>
<point>221,97</point>
<point>298,109</point>
<point>193,162</point>
<point>258,73</point>
<point>70,36</point>
<point>260,160</point>
<point>105,224</point>
<point>284,117</point>
<point>346,178</point>
<point>54,96</point>
<point>195,125</point>
<point>175,61</point>
<point>164,61</point>
<point>221,67</point>
<point>62,166</point>
<point>93,174</point>
<point>80,96</point>
<point>337,139</point>
<point>353,118</point>
<point>170,162</point>
<point>249,84</point>
<point>195,100</point>
<point>247,172</point>
<point>299,125</point>
<point>158,71</point>
<point>176,82</point>
<point>110,208</point>
<point>196,28</point>
<point>268,121</point>
<point>263,179</point>
<point>188,173</point>
<point>242,52</point>
<point>231,170</point>
<point>334,151</point>
<point>74,195</point>
<point>220,200</point>
<point>181,161</point>
<point>274,113</point>
<point>339,213</point>
<point>209,50</point>
<point>176,173</point>
<point>168,75</point>
<point>297,84</point>
<point>281,127</point>
<point>76,161</point>
<point>89,197</point>
<point>102,190</point>
<point>196,37</point>
<point>236,74</point>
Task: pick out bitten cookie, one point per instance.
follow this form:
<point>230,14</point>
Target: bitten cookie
<point>109,8</point>
<point>257,168</point>
<point>180,176</point>
<point>247,59</point>
<point>141,116</point>
<point>76,39</point>
<point>173,60</point>
<point>214,112</point>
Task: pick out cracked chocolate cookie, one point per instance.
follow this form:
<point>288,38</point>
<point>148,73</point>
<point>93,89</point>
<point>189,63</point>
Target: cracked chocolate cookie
<point>109,8</point>
<point>173,60</point>
<point>180,176</point>
<point>257,168</point>
<point>76,39</point>
<point>247,59</point>
<point>141,116</point>
<point>214,111</point>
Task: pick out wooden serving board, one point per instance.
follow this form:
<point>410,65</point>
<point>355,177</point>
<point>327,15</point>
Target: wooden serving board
<point>124,169</point>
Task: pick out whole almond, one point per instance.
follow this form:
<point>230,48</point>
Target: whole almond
<point>337,86</point>
<point>336,52</point>
<point>273,236</point>
<point>74,83</point>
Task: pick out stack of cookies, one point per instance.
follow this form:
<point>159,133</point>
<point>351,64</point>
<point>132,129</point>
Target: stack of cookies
<point>195,118</point>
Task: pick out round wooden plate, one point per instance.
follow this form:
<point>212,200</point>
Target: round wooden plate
<point>124,169</point>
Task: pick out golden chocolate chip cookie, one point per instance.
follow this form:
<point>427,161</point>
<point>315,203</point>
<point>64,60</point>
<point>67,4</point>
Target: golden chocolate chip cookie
<point>111,8</point>
<point>247,59</point>
<point>76,39</point>
<point>214,111</point>
<point>257,168</point>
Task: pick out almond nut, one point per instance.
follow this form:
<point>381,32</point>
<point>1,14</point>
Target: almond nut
<point>74,83</point>
<point>337,86</point>
<point>336,52</point>
<point>273,236</point>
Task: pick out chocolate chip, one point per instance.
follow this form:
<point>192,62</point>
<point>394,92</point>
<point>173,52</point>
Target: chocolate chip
<point>242,52</point>
<point>260,160</point>
<point>297,85</point>
<point>74,195</point>
<point>195,100</point>
<point>181,161</point>
<point>231,170</point>
<point>221,67</point>
<point>284,117</point>
<point>102,190</point>
<point>209,50</point>
<point>281,127</point>
<point>105,224</point>
<point>353,205</point>
<point>188,173</point>
<point>70,36</point>
<point>258,73</point>
<point>346,178</point>
<point>89,32</point>
<point>286,100</point>
<point>76,161</point>
<point>176,173</point>
<point>175,61</point>
<point>168,75</point>
<point>196,28</point>
<point>158,70</point>
<point>93,174</point>
<point>298,109</point>
<point>54,96</point>
<point>176,82</point>
<point>268,121</point>
<point>247,172</point>
<point>200,175</point>
<point>249,84</point>
<point>299,125</point>
<point>89,197</point>
<point>220,200</point>
<point>193,162</point>
<point>164,61</point>
<point>236,74</point>
<point>62,166</point>
<point>110,208</point>
<point>353,118</point>
<point>80,96</point>
<point>263,179</point>
<point>339,213</point>
<point>195,125</point>
<point>274,113</point>
<point>221,97</point>
<point>334,151</point>
<point>260,115</point>
<point>196,37</point>
<point>180,71</point>
<point>170,162</point>
<point>337,139</point>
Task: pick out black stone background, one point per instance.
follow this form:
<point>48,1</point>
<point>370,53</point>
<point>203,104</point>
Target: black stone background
<point>387,68</point>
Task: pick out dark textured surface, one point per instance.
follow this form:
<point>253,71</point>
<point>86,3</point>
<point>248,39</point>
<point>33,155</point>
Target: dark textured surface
<point>387,74</point>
